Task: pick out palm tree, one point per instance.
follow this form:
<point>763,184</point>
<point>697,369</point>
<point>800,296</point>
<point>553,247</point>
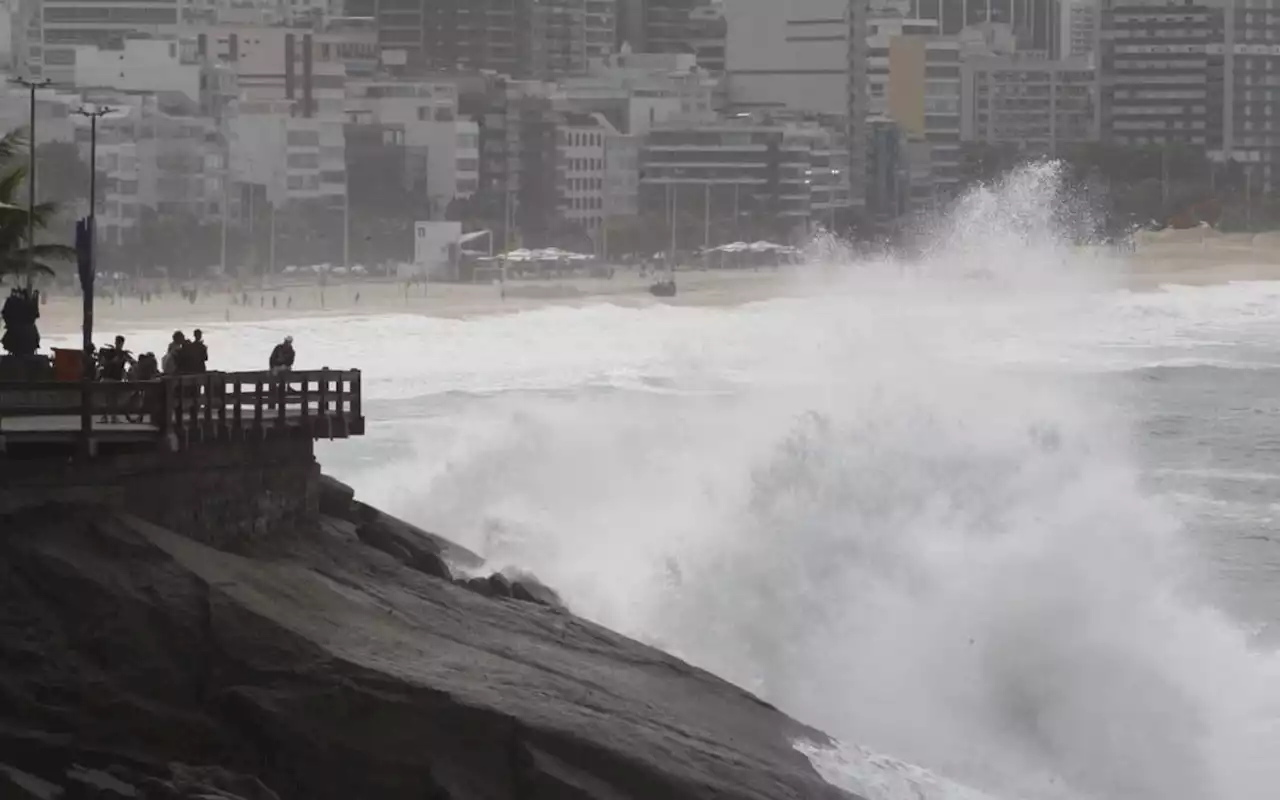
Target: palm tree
<point>14,218</point>
<point>18,256</point>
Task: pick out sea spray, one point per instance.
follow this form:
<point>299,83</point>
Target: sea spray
<point>902,509</point>
<point>891,530</point>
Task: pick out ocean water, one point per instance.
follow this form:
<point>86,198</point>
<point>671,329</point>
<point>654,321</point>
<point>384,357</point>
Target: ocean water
<point>1004,530</point>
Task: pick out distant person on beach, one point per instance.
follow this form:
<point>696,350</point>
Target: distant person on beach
<point>282,357</point>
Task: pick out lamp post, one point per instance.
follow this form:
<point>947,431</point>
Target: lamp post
<point>85,236</point>
<point>31,86</point>
<point>831,194</point>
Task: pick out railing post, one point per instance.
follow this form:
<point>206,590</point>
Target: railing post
<point>257,404</point>
<point>340,408</point>
<point>323,400</point>
<point>220,397</point>
<point>162,413</point>
<point>191,390</point>
<point>239,402</point>
<point>204,389</point>
<point>355,394</point>
<point>306,394</point>
<point>283,399</point>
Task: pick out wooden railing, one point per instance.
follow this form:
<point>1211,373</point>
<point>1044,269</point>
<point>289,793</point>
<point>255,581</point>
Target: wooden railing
<point>323,403</point>
<point>51,399</point>
<point>207,407</point>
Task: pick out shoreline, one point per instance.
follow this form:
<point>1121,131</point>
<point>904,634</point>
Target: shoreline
<point>61,315</point>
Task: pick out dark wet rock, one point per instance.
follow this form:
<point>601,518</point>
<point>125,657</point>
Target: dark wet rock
<point>499,586</point>
<point>433,565</point>
<point>536,592</point>
<point>526,586</point>
<point>379,538</point>
<point>326,672</point>
<point>480,586</point>
<point>336,498</point>
<point>384,527</point>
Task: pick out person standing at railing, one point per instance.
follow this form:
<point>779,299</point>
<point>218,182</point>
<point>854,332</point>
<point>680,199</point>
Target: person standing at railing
<point>282,356</point>
<point>280,363</point>
<point>194,355</point>
<point>172,363</point>
<point>113,361</point>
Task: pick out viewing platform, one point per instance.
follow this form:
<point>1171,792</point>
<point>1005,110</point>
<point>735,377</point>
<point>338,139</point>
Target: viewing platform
<point>177,413</point>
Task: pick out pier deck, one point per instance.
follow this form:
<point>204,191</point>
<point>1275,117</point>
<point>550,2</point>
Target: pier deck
<point>180,411</point>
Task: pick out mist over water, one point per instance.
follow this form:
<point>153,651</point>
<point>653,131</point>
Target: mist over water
<point>904,510</point>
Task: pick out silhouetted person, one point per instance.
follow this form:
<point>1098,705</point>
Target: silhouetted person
<point>282,356</point>
<point>112,365</point>
<point>280,363</point>
<point>195,354</point>
<point>170,363</point>
<point>145,368</point>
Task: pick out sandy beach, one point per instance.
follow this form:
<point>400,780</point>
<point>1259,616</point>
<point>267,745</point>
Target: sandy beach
<point>62,313</point>
<point>1188,258</point>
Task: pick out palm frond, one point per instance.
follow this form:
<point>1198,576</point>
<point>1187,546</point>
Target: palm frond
<point>13,144</point>
<point>11,181</point>
<point>22,268</point>
<point>41,252</point>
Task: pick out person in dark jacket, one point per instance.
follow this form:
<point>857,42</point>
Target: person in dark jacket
<point>282,356</point>
<point>196,354</point>
<point>114,361</point>
<point>281,361</point>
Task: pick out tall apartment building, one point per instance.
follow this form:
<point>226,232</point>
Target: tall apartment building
<point>857,132</point>
<point>64,24</point>
<point>1035,22</point>
<point>1079,28</point>
<point>788,55</point>
<point>666,26</point>
<point>708,30</point>
<point>1251,66</point>
<point>1036,105</point>
<point>742,177</point>
<point>1167,72</point>
<point>520,38</point>
<point>913,87</point>
<point>601,27</point>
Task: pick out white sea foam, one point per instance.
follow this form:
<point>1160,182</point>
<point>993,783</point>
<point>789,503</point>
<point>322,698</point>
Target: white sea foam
<point>866,506</point>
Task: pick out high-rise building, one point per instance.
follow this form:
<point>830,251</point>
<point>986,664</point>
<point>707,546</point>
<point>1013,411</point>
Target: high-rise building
<point>1036,105</point>
<point>741,178</point>
<point>601,27</point>
<point>790,55</point>
<point>1079,28</point>
<point>64,24</point>
<point>1165,72</point>
<point>519,38</point>
<point>663,26</point>
<point>1035,22</point>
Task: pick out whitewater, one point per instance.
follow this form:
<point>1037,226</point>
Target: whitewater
<point>981,510</point>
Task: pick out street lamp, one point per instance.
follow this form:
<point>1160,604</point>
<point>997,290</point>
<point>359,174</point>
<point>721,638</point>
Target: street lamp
<point>835,184</point>
<point>85,236</point>
<point>31,85</point>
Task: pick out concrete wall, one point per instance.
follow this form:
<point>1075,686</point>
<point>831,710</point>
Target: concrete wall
<point>224,495</point>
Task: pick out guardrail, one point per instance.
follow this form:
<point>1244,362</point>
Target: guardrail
<point>207,407</point>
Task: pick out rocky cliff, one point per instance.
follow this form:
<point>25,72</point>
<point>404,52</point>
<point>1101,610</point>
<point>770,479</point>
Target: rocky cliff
<point>342,661</point>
